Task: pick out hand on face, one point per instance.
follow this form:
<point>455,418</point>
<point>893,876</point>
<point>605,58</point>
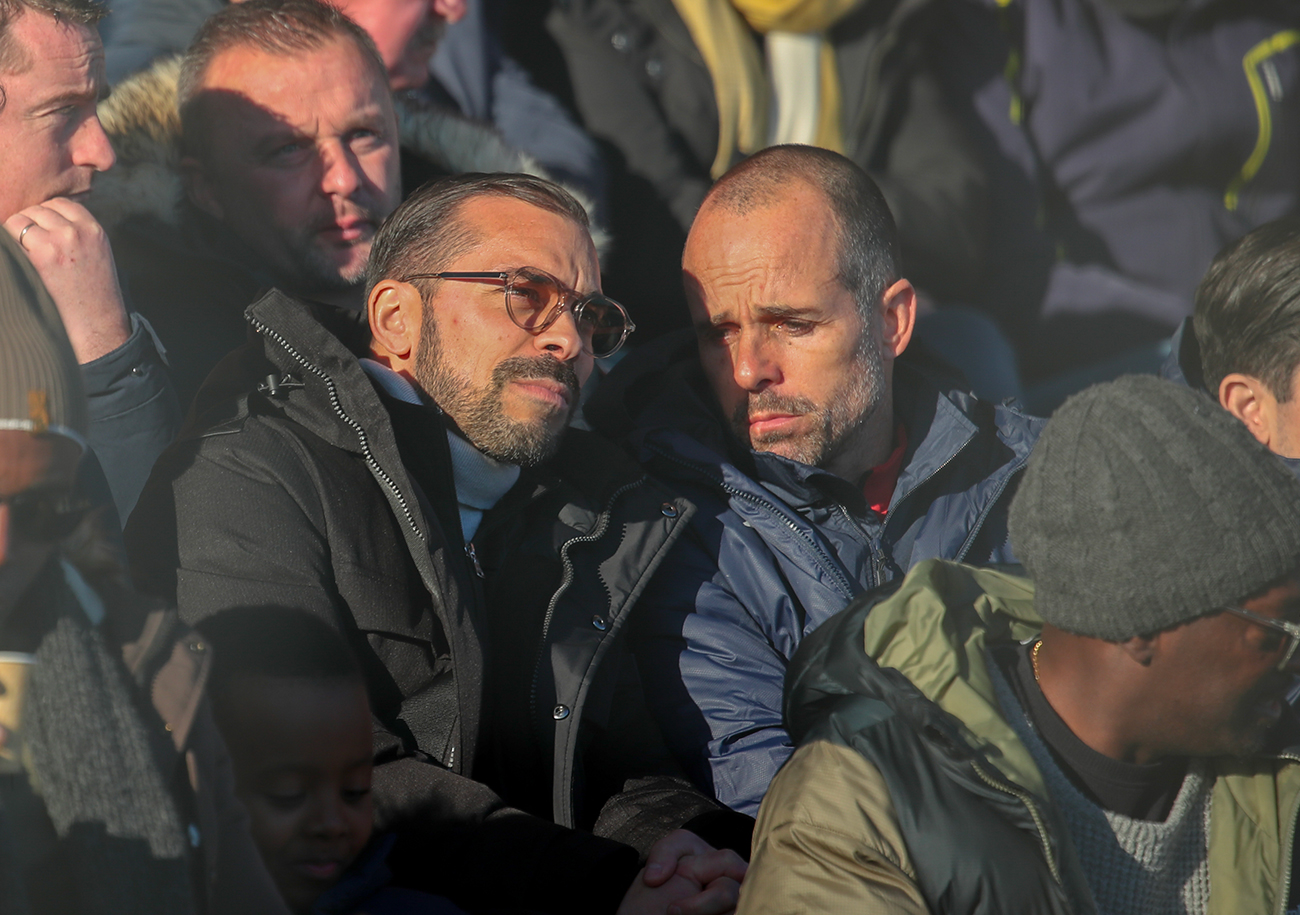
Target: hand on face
<point>70,251</point>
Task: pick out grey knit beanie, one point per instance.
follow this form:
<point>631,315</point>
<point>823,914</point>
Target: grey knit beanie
<point>1146,505</point>
<point>40,382</point>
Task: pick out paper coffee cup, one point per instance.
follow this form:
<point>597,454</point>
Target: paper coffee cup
<point>15,672</point>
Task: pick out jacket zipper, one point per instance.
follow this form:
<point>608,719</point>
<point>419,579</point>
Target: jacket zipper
<point>849,590</point>
<point>473,557</point>
<point>877,557</point>
<point>1024,798</point>
<point>1288,846</point>
<point>567,579</point>
<point>355,426</point>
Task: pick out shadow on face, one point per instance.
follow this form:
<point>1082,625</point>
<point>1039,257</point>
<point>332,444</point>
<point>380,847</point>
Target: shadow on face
<point>298,156</point>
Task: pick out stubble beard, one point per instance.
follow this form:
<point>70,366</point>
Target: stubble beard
<point>315,272</point>
<point>480,412</point>
<point>847,410</point>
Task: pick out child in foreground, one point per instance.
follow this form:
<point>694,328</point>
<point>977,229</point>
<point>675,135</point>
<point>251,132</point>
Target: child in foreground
<point>291,704</point>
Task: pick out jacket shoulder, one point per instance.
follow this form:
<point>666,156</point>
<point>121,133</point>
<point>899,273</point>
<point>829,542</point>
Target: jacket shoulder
<point>828,840</point>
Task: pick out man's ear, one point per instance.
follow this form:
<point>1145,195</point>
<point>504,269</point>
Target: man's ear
<point>897,318</point>
<point>1141,648</point>
<point>1248,399</point>
<point>395,310</point>
<point>199,187</point>
<point>450,10</point>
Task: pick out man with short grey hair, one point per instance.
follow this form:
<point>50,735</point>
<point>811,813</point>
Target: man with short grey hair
<point>822,463</point>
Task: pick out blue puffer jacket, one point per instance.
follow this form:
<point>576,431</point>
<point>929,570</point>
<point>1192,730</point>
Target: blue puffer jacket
<point>776,547</point>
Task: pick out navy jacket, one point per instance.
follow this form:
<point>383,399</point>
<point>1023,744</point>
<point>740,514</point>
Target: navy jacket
<point>776,547</point>
<point>1123,153</point>
<point>134,415</point>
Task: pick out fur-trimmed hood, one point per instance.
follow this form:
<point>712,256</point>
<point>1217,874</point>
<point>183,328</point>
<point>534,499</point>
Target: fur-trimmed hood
<point>144,125</point>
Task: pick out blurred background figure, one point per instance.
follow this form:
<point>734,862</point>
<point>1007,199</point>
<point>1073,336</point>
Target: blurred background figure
<point>53,148</point>
<point>1125,142</point>
<point>677,91</point>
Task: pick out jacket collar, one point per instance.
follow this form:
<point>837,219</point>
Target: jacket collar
<point>1183,364</point>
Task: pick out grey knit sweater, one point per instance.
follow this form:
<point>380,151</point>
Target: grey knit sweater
<point>1132,867</point>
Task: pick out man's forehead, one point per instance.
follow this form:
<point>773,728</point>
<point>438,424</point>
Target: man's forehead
<point>519,234</point>
<point>62,52</point>
<point>283,81</point>
<point>776,259</point>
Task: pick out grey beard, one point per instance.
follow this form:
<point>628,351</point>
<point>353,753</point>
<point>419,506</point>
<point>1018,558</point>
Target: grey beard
<point>860,401</point>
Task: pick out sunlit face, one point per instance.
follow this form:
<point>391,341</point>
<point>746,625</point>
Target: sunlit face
<point>302,758</point>
<point>1221,691</point>
<point>301,161</point>
<point>511,393</point>
<point>790,358</point>
<point>31,465</point>
<point>51,141</point>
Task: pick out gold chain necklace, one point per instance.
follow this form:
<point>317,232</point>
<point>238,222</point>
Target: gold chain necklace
<point>1033,658</point>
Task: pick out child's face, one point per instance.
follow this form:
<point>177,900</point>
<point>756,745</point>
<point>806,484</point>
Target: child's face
<point>302,759</point>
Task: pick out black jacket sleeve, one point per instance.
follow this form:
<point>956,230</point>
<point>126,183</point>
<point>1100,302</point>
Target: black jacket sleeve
<point>223,525</point>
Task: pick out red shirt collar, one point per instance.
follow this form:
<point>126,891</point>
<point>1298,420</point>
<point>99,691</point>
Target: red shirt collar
<point>878,486</point>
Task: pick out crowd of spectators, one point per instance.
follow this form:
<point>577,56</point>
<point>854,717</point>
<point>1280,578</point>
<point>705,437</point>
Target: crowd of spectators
<point>586,456</point>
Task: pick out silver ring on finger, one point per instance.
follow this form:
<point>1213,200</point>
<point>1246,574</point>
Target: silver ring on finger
<point>23,234</point>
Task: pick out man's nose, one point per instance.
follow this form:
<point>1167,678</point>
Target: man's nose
<point>340,171</point>
<point>562,339</point>
<point>91,146</point>
<point>754,365</point>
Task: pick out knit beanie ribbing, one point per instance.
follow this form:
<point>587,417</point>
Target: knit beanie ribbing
<point>1146,505</point>
<point>40,382</point>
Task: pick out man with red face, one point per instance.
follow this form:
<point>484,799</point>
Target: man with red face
<point>1111,734</point>
<point>53,146</point>
<point>414,481</point>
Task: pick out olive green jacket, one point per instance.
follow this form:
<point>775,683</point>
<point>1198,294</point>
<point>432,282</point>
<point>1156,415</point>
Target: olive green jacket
<point>913,797</point>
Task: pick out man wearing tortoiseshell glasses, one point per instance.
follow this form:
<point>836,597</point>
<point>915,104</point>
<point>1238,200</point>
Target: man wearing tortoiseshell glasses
<point>415,481</point>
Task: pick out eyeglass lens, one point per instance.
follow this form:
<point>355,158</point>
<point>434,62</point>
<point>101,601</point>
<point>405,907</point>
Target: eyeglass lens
<point>533,300</point>
<point>1292,640</point>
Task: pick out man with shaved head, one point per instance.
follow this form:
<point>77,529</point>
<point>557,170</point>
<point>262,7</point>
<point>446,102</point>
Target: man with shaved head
<point>822,462</point>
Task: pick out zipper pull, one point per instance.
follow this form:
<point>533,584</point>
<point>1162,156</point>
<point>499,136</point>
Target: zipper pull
<point>473,557</point>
